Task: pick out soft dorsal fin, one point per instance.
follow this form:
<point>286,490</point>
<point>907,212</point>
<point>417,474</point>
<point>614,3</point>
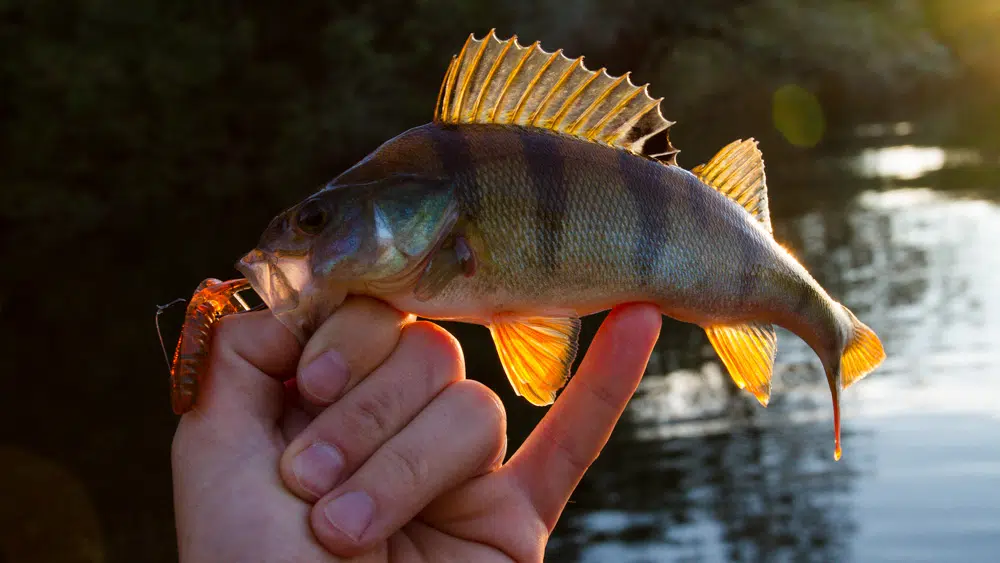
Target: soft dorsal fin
<point>536,353</point>
<point>737,171</point>
<point>748,352</point>
<point>502,82</point>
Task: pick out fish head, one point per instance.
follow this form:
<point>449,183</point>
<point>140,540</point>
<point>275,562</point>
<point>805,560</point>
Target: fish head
<point>370,238</point>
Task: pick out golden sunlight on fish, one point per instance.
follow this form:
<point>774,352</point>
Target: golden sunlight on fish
<point>529,202</point>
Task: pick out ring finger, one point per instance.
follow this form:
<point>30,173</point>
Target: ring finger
<point>459,436</point>
<point>346,434</point>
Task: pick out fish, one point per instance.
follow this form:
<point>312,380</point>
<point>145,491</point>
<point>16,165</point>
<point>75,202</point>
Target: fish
<point>531,200</point>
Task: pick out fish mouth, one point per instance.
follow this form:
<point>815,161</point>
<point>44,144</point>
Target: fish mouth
<point>286,285</point>
<point>270,280</point>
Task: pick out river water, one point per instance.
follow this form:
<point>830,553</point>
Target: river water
<point>699,472</point>
<point>899,219</point>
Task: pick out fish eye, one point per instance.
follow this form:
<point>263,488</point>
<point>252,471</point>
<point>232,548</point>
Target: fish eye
<point>312,217</point>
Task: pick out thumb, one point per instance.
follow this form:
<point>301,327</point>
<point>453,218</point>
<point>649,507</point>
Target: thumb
<point>251,354</point>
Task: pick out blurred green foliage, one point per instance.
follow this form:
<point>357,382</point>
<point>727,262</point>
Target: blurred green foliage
<point>145,144</point>
<point>112,108</point>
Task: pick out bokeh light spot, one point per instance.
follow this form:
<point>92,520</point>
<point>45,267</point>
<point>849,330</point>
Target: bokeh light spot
<point>46,513</point>
<point>798,115</point>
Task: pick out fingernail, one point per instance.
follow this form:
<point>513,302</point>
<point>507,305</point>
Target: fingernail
<point>317,468</point>
<point>326,377</point>
<point>351,513</point>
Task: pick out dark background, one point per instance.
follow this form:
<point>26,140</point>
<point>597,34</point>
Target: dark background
<point>144,146</point>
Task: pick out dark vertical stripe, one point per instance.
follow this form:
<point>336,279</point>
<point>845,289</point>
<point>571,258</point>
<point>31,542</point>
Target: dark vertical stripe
<point>645,181</point>
<point>546,173</point>
<point>700,195</point>
<point>804,298</point>
<point>752,252</point>
<point>748,272</point>
<point>745,273</point>
<point>455,154</point>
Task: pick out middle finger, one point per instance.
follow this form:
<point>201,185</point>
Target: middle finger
<point>342,437</point>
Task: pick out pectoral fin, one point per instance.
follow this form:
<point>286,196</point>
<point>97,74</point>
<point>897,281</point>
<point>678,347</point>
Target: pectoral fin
<point>748,352</point>
<point>455,258</point>
<point>536,352</point>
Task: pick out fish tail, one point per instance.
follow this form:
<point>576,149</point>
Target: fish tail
<point>862,354</point>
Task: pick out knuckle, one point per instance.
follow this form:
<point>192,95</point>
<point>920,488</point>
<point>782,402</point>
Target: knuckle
<point>482,410</point>
<point>482,401</point>
<point>222,348</point>
<point>406,467</point>
<point>374,413</point>
<point>604,396</point>
<point>225,330</point>
<point>564,447</point>
<point>439,351</point>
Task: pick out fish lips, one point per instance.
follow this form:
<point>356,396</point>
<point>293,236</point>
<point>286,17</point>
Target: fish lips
<point>287,286</point>
<point>269,277</point>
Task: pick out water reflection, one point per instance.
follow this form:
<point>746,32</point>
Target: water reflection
<point>696,471</point>
<point>899,129</point>
<point>908,162</point>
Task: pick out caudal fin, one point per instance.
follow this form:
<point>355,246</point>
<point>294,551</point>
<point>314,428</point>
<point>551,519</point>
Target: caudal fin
<point>863,353</point>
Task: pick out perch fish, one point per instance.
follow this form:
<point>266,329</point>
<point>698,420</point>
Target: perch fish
<point>531,200</point>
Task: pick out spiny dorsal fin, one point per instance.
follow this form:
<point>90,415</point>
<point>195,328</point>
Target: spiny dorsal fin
<point>536,353</point>
<point>737,171</point>
<point>504,83</point>
<point>748,351</point>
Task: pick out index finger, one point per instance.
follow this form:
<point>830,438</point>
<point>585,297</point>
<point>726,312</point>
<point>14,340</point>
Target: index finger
<point>354,341</point>
<point>572,434</point>
<point>251,353</point>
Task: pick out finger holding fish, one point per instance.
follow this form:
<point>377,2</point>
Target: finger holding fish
<point>337,357</point>
<point>457,437</point>
<point>341,438</point>
<point>553,459</point>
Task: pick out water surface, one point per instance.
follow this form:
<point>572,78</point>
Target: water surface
<point>698,472</point>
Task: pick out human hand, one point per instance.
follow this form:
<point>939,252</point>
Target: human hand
<point>412,440</point>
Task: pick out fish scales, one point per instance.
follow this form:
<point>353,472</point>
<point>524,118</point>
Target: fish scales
<point>530,201</point>
<point>624,227</point>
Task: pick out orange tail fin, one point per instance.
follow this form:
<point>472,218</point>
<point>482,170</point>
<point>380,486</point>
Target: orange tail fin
<point>862,354</point>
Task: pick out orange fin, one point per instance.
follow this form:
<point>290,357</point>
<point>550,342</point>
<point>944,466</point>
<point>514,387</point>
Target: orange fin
<point>835,386</point>
<point>506,83</point>
<point>863,353</point>
<point>737,172</point>
<point>748,352</point>
<point>536,352</point>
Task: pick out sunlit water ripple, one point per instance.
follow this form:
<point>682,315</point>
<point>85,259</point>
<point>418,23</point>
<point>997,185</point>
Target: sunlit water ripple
<point>698,472</point>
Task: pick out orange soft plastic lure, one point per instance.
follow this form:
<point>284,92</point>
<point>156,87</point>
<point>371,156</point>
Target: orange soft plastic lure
<point>212,300</point>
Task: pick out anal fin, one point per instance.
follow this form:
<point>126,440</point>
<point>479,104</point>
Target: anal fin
<point>748,352</point>
<point>536,352</point>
